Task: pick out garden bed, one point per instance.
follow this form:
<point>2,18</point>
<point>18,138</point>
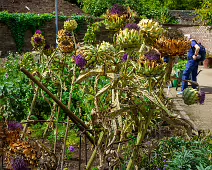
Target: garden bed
<point>112,92</point>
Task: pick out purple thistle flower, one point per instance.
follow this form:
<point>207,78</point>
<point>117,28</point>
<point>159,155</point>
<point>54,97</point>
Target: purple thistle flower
<point>19,164</point>
<point>6,75</point>
<point>80,61</point>
<point>47,47</point>
<point>125,57</point>
<point>71,149</point>
<point>14,126</point>
<point>148,143</point>
<point>132,27</point>
<point>38,32</point>
<point>68,34</point>
<point>201,97</point>
<point>37,40</point>
<point>152,55</point>
<point>118,9</point>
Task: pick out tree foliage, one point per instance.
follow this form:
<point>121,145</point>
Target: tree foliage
<point>146,9</point>
<point>183,4</point>
<point>96,7</point>
<point>150,9</point>
<point>205,14</point>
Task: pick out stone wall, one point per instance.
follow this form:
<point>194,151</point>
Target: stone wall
<point>202,34</point>
<point>186,17</point>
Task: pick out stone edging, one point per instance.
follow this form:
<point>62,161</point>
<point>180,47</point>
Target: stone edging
<point>185,116</point>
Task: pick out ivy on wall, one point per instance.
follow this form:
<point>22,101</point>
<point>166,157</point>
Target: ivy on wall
<point>19,23</point>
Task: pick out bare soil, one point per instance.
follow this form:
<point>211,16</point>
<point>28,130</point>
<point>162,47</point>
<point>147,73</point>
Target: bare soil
<point>39,7</point>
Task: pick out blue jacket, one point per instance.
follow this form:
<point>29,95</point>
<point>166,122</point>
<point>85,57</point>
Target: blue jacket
<point>192,50</point>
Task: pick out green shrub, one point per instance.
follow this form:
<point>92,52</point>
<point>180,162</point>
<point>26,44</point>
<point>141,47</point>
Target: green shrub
<point>204,14</point>
<point>180,65</point>
<point>37,130</point>
<point>16,90</point>
<point>97,7</point>
<point>177,153</point>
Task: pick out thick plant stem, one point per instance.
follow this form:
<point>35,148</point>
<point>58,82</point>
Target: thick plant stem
<point>140,138</point>
<point>50,121</point>
<point>118,107</point>
<point>96,90</point>
<point>64,144</point>
<point>69,106</point>
<point>59,108</point>
<point>169,69</point>
<point>93,156</point>
<point>79,123</point>
<point>57,119</point>
<point>31,109</point>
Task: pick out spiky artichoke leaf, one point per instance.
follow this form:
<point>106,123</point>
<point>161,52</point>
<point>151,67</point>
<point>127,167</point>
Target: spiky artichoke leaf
<point>89,74</point>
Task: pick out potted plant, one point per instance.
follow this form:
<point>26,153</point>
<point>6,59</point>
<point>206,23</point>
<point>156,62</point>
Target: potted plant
<point>178,69</point>
<point>208,61</point>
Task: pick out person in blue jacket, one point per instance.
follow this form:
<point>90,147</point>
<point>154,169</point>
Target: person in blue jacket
<point>192,65</point>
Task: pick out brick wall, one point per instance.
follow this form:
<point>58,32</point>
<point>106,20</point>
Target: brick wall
<point>6,40</point>
<point>7,43</point>
<point>200,33</point>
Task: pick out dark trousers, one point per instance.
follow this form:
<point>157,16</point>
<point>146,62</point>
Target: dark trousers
<point>191,68</point>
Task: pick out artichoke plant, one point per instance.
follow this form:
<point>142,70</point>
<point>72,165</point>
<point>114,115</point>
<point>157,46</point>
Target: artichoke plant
<point>48,50</point>
<point>65,41</point>
<point>106,51</point>
<point>80,61</point>
<point>117,17</point>
<point>152,64</point>
<point>172,47</point>
<point>38,40</point>
<point>129,38</point>
<point>89,53</point>
<point>193,96</point>
<point>121,87</point>
<point>70,25</point>
<point>19,164</point>
<point>151,30</point>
